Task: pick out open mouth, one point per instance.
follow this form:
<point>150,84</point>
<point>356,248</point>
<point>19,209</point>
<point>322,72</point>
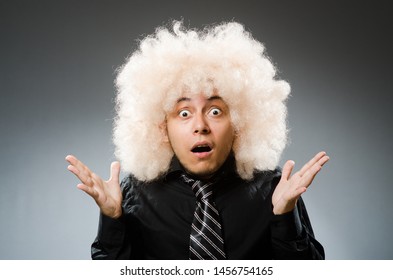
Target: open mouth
<point>205,148</point>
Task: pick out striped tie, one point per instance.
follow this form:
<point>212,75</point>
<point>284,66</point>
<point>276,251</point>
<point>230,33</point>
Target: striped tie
<point>206,242</point>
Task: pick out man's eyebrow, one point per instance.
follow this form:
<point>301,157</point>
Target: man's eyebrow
<point>214,97</point>
<point>183,99</point>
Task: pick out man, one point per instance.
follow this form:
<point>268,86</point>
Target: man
<point>200,127</point>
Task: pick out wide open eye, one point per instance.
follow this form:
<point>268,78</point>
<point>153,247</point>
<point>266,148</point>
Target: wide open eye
<point>215,112</point>
<point>184,113</point>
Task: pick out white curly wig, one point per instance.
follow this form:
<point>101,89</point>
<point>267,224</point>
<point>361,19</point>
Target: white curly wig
<point>224,59</point>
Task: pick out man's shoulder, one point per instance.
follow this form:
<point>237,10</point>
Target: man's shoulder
<point>129,180</point>
<point>130,184</point>
<point>267,175</point>
<point>264,181</point>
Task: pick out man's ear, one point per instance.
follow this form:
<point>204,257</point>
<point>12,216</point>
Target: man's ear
<point>164,132</point>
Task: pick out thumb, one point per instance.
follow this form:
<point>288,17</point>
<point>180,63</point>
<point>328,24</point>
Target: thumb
<point>287,169</point>
<point>115,171</point>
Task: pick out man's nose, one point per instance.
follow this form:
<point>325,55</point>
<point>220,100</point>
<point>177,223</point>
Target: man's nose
<point>201,126</point>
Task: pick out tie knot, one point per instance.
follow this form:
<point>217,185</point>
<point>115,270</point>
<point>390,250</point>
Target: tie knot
<point>202,191</point>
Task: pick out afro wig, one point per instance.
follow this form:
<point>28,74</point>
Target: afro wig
<point>223,58</point>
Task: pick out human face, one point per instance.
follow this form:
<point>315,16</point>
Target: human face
<point>201,134</point>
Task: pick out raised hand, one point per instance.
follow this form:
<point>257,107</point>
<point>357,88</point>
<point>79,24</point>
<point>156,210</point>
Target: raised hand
<point>290,187</point>
<point>107,194</point>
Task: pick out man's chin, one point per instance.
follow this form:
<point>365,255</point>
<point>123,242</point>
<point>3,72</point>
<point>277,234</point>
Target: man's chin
<point>202,174</point>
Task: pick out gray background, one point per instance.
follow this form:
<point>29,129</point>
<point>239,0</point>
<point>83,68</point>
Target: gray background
<point>57,66</point>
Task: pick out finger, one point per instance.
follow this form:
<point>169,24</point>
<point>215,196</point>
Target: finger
<point>90,191</point>
<point>73,170</point>
<point>287,169</point>
<point>76,162</point>
<point>77,167</point>
<point>315,159</point>
<point>115,171</point>
<point>71,159</point>
<point>299,191</point>
<point>310,174</point>
<point>323,160</point>
<point>85,177</point>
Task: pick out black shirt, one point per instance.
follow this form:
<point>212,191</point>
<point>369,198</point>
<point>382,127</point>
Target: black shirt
<point>157,218</point>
